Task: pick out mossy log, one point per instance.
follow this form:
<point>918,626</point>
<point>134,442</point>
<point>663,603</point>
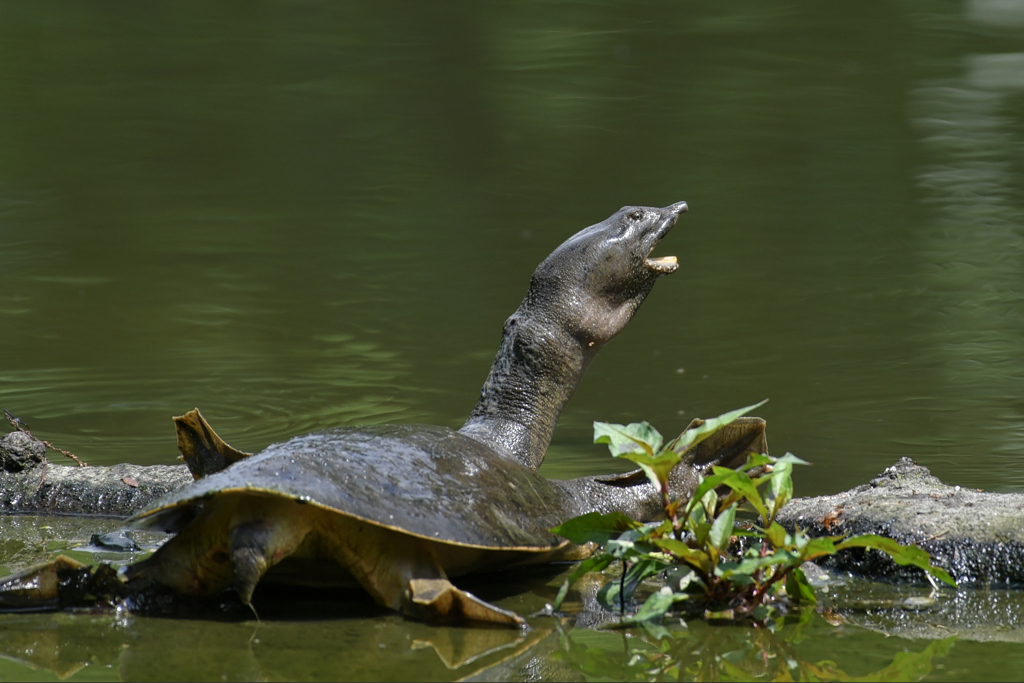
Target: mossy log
<point>29,484</point>
<point>977,537</point>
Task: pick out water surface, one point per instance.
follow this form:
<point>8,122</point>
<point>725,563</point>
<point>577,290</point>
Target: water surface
<point>297,216</point>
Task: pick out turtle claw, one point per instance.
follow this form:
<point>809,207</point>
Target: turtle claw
<point>438,599</point>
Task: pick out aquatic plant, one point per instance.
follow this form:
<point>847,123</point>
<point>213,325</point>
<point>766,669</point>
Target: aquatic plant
<point>719,569</point>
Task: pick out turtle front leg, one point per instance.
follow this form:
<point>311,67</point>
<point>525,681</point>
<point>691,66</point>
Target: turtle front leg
<point>402,572</point>
<point>438,599</point>
<point>233,542</point>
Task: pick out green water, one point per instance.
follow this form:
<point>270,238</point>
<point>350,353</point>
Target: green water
<point>303,215</point>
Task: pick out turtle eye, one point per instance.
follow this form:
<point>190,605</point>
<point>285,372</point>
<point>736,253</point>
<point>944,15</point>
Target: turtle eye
<point>636,216</point>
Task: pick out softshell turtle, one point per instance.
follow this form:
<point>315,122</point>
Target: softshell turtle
<point>401,508</point>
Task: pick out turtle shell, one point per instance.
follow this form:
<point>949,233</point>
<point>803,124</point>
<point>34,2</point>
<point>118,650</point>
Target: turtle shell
<point>425,481</point>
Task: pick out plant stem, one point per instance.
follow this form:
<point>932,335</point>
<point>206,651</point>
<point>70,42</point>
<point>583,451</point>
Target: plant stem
<point>671,512</point>
<point>622,589</point>
<point>763,589</point>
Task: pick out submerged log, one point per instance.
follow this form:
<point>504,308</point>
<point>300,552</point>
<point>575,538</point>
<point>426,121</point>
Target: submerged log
<point>977,537</point>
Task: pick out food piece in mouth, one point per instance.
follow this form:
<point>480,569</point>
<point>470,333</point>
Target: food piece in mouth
<point>662,264</point>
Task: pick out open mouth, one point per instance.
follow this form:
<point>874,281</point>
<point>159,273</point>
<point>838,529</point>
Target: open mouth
<point>663,265</point>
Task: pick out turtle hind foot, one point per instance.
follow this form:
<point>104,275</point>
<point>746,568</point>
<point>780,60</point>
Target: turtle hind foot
<point>439,600</point>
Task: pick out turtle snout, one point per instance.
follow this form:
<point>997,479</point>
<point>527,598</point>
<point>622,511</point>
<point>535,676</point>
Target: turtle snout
<point>670,214</point>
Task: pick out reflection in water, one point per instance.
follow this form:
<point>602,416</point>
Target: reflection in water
<point>974,248</point>
<point>918,613</point>
<point>313,644</point>
<point>32,539</point>
<point>707,653</point>
<point>460,647</point>
<point>304,649</point>
<point>310,649</point>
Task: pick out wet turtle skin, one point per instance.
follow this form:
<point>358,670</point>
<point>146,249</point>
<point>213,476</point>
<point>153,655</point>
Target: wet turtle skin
<point>396,509</point>
<point>422,480</point>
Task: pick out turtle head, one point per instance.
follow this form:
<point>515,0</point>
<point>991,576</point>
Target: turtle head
<point>596,280</point>
<point>579,298</point>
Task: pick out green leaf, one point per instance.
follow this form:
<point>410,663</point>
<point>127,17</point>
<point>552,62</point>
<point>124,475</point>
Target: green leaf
<point>656,468</point>
<point>781,490</point>
<point>697,558</point>
<point>791,459</point>
<point>748,566</point>
<point>700,533</point>
<point>742,484</point>
<point>633,544</point>
<point>685,580</point>
<point>656,631</point>
<point>799,588</point>
<point>776,535</point>
<point>656,605</point>
<point>691,437</point>
<point>596,527</point>
<point>695,517</point>
<point>595,563</point>
<point>725,614</point>
<point>762,613</point>
<point>709,501</point>
<point>707,484</point>
<point>901,554</point>
<point>655,530</point>
<point>620,548</point>
<point>721,530</point>
<point>734,574</point>
<point>756,460</point>
<point>609,595</point>
<point>638,437</point>
<point>818,547</point>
